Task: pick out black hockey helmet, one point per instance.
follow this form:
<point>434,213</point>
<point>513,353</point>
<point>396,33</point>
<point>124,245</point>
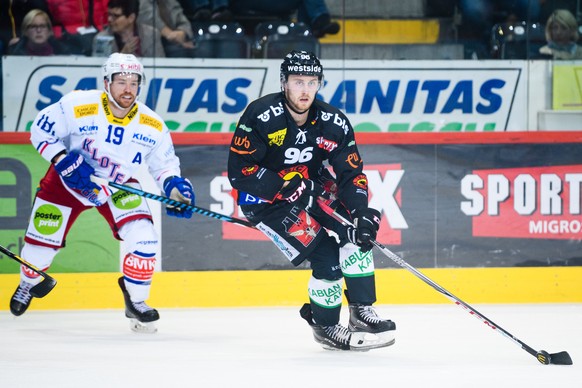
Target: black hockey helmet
<point>301,63</point>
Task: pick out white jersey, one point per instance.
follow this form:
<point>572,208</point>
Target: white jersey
<point>81,121</point>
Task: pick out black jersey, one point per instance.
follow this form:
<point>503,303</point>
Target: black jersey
<point>268,148</point>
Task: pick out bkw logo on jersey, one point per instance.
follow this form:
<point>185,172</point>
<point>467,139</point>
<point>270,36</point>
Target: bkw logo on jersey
<point>531,202</point>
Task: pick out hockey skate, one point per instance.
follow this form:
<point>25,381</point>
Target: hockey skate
<point>21,299</point>
<point>338,337</point>
<point>141,316</point>
<point>364,320</point>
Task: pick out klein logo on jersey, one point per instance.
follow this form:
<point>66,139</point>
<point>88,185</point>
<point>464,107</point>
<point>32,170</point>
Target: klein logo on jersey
<point>143,139</point>
<point>88,129</point>
<point>277,138</point>
<point>533,202</point>
<point>327,145</point>
<point>86,110</point>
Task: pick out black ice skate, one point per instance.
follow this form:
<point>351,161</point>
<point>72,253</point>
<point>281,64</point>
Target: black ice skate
<point>338,337</point>
<point>364,319</point>
<point>21,299</point>
<point>141,315</point>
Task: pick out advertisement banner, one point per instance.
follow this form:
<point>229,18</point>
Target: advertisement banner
<point>444,204</point>
<point>209,95</point>
<point>567,86</point>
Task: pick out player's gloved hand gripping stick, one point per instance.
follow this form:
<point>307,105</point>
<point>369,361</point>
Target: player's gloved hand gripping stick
<point>561,358</point>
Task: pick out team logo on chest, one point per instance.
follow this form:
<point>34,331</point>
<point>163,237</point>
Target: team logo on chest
<point>277,138</point>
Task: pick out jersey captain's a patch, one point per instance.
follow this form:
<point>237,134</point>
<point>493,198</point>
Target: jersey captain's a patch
<point>150,121</point>
<point>86,110</point>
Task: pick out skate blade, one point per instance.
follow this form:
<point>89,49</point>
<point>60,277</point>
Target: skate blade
<point>362,342</point>
<point>142,327</point>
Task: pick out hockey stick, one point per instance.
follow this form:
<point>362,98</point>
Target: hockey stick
<point>38,290</point>
<point>171,202</point>
<point>560,358</point>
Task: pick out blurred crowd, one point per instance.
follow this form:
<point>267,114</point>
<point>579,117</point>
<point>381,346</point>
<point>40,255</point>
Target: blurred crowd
<point>146,28</point>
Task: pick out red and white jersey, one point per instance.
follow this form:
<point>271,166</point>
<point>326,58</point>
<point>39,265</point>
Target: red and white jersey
<point>81,121</point>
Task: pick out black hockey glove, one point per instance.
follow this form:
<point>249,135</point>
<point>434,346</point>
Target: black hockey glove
<point>302,192</point>
<point>367,223</point>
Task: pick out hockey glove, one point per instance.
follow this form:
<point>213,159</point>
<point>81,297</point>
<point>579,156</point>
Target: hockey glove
<point>76,174</point>
<point>179,189</point>
<point>302,192</point>
<point>367,223</point>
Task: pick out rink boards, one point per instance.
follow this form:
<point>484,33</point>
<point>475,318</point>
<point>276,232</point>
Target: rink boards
<point>289,288</point>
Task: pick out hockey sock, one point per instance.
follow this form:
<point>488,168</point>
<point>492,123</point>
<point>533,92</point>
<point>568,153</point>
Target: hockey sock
<point>39,256</point>
<point>358,270</point>
<point>326,300</point>
<point>141,242</point>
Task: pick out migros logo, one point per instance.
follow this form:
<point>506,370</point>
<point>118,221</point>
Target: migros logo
<point>534,202</point>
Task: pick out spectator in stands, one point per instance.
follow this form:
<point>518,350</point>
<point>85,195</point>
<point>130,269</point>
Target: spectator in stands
<point>203,10</point>
<point>37,37</point>
<point>168,17</point>
<point>479,17</point>
<point>76,22</point>
<point>125,35</point>
<point>313,13</point>
<point>562,35</point>
<point>11,15</point>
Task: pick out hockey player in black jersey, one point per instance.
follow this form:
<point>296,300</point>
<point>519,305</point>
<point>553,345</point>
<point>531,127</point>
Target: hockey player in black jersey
<point>278,165</point>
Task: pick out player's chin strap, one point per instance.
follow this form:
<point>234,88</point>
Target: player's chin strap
<point>561,358</point>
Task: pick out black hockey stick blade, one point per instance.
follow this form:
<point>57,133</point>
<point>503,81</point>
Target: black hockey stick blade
<point>41,289</point>
<point>560,358</point>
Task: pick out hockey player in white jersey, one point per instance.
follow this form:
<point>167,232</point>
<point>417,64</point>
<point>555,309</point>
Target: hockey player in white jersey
<point>106,134</point>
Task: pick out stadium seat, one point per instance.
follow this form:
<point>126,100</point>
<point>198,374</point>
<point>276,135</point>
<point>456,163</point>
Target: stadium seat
<point>275,39</point>
<point>519,40</point>
<point>220,40</point>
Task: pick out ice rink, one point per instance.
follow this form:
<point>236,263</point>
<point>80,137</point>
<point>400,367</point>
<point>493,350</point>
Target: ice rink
<point>436,346</point>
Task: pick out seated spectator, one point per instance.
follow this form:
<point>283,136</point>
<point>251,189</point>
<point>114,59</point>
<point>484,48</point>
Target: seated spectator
<point>125,35</point>
<point>11,15</point>
<point>313,13</point>
<point>76,22</point>
<point>168,17</point>
<point>562,35</point>
<point>204,10</point>
<point>37,37</point>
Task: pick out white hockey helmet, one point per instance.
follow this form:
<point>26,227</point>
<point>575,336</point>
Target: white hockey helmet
<point>125,64</point>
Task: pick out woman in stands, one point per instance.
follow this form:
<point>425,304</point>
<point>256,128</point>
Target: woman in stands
<point>37,37</point>
<point>562,35</point>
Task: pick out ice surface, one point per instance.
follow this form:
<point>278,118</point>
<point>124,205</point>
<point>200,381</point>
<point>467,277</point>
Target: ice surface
<point>436,346</point>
